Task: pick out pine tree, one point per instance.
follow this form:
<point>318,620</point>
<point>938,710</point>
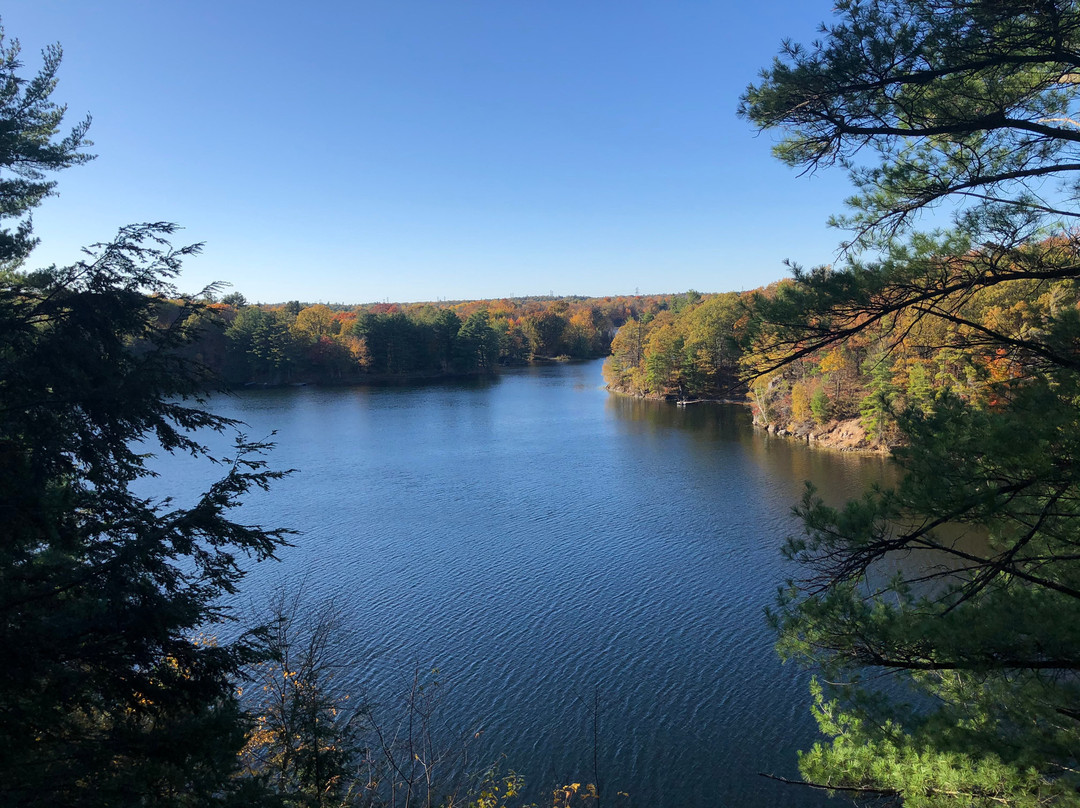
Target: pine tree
<point>963,581</point>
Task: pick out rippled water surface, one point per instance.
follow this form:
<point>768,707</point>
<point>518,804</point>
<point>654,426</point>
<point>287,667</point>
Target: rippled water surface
<point>551,548</point>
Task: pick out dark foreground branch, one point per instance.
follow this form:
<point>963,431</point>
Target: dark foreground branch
<point>881,792</point>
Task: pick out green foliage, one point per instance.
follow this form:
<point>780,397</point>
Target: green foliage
<point>29,146</point>
<point>261,346</point>
<point>876,408</point>
<point>296,343</point>
<point>234,299</point>
<point>905,765</point>
<point>112,698</point>
<point>951,97</point>
<point>108,695</point>
<point>665,358</point>
<point>622,369</point>
<point>942,612</point>
<point>391,341</point>
<point>690,351</point>
<point>544,331</point>
<point>820,405</point>
<point>984,617</point>
<point>478,343</point>
<point>445,331</point>
<point>919,392</point>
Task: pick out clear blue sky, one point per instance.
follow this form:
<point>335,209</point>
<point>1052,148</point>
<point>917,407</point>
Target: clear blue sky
<point>414,150</point>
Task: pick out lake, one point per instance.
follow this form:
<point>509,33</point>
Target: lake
<point>554,551</point>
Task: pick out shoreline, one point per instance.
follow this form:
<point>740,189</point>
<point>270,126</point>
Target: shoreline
<point>847,436</point>
<point>396,379</point>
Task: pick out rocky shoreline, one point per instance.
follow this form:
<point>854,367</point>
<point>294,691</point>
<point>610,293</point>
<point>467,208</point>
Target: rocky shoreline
<point>846,435</point>
<point>842,436</point>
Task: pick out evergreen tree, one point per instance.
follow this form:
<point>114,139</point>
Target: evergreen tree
<point>819,405</point>
<point>919,392</point>
<point>963,581</point>
<point>30,147</point>
<point>112,698</point>
<point>108,696</point>
<point>876,408</point>
<point>478,344</point>
<point>261,346</point>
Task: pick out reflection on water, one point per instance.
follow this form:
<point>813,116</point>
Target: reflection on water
<point>837,475</point>
<point>547,546</point>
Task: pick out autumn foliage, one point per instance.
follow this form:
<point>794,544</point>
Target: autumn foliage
<point>293,343</point>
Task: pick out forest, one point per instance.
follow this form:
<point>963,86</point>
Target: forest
<point>956,348</point>
<point>727,347</point>
<point>292,343</point>
<point>952,682</point>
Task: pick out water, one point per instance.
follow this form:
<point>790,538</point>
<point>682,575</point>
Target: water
<point>552,549</point>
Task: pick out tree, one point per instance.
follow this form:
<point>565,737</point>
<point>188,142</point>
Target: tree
<point>443,328</point>
<point>820,405</point>
<point>666,362</point>
<point>29,145</point>
<point>112,697</point>
<point>477,343</point>
<point>963,98</point>
<point>623,370</point>
<point>108,694</point>
<point>392,342</point>
<point>305,743</point>
<point>234,299</point>
<point>963,581</point>
<point>261,346</point>
<point>313,323</point>
<point>545,332</point>
<point>876,408</point>
<point>712,329</point>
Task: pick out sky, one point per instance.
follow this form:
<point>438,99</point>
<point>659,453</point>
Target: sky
<point>411,150</point>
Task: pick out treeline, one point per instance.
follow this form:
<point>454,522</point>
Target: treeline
<point>292,343</point>
<point>702,346</point>
<point>690,350</point>
<point>905,361</point>
<point>128,682</point>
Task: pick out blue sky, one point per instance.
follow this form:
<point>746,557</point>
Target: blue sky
<point>415,150</point>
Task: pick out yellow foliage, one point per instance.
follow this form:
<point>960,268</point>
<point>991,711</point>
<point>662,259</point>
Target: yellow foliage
<point>564,795</point>
<point>834,360</point>
<point>800,403</point>
<point>314,322</point>
<point>497,791</point>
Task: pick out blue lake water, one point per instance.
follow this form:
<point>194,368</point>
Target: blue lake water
<point>552,549</point>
